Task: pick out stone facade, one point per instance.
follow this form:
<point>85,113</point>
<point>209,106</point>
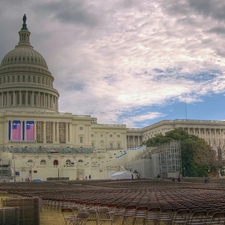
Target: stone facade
<point>213,132</point>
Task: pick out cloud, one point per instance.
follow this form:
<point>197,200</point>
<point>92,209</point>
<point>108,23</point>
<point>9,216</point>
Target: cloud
<point>133,120</point>
<point>113,58</point>
<point>72,12</point>
<point>209,8</point>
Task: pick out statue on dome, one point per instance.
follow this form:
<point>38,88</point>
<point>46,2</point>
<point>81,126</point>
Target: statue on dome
<point>24,18</point>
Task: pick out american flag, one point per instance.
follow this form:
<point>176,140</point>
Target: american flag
<point>16,130</point>
<point>30,130</point>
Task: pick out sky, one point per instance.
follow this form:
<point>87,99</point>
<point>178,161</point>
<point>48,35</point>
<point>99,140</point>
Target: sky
<point>133,62</point>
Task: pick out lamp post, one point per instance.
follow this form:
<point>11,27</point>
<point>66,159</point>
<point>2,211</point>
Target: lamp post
<point>14,167</point>
<point>184,172</point>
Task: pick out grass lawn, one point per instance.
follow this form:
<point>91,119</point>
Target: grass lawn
<point>47,216</point>
<point>51,217</point>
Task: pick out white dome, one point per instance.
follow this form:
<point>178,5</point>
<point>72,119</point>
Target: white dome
<point>24,55</point>
<point>25,81</point>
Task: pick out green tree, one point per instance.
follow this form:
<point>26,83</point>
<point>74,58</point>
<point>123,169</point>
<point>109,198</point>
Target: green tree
<point>196,155</point>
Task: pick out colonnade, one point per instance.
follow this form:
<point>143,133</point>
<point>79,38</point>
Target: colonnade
<point>213,136</point>
<point>43,132</point>
<point>134,141</point>
<point>28,98</point>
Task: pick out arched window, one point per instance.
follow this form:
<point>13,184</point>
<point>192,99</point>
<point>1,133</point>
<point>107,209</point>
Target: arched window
<point>42,162</point>
<point>30,161</point>
<point>68,162</point>
<point>101,144</point>
<point>80,160</point>
<point>55,162</point>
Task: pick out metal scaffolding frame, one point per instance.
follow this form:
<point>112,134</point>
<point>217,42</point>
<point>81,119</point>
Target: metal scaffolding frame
<point>169,158</point>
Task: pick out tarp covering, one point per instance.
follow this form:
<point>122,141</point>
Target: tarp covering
<point>123,175</point>
<point>37,180</point>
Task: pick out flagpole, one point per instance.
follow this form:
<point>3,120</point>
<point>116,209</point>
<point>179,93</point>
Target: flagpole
<point>185,108</point>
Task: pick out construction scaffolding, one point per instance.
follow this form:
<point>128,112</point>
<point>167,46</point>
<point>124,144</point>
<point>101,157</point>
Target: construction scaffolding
<point>170,159</point>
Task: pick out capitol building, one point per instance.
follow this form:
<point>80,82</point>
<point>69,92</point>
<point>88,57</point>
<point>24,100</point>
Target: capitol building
<point>37,141</point>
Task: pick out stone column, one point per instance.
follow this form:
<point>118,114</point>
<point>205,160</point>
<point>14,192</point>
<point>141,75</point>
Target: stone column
<point>66,132</point>
<point>2,99</point>
<point>69,132</point>
<point>57,137</point>
<point>128,141</point>
<point>53,132</point>
<point>7,98</point>
<point>32,98</point>
<point>14,98</point>
<point>49,101</point>
<point>39,99</point>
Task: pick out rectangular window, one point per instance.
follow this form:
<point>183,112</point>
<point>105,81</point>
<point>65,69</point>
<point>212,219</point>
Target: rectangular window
<point>81,128</point>
<point>11,99</point>
<point>49,132</point>
<point>29,98</point>
<point>56,131</point>
<point>81,139</point>
<point>17,98</point>
<point>62,132</point>
<point>23,99</point>
<point>40,131</point>
<point>35,99</point>
<point>118,145</point>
